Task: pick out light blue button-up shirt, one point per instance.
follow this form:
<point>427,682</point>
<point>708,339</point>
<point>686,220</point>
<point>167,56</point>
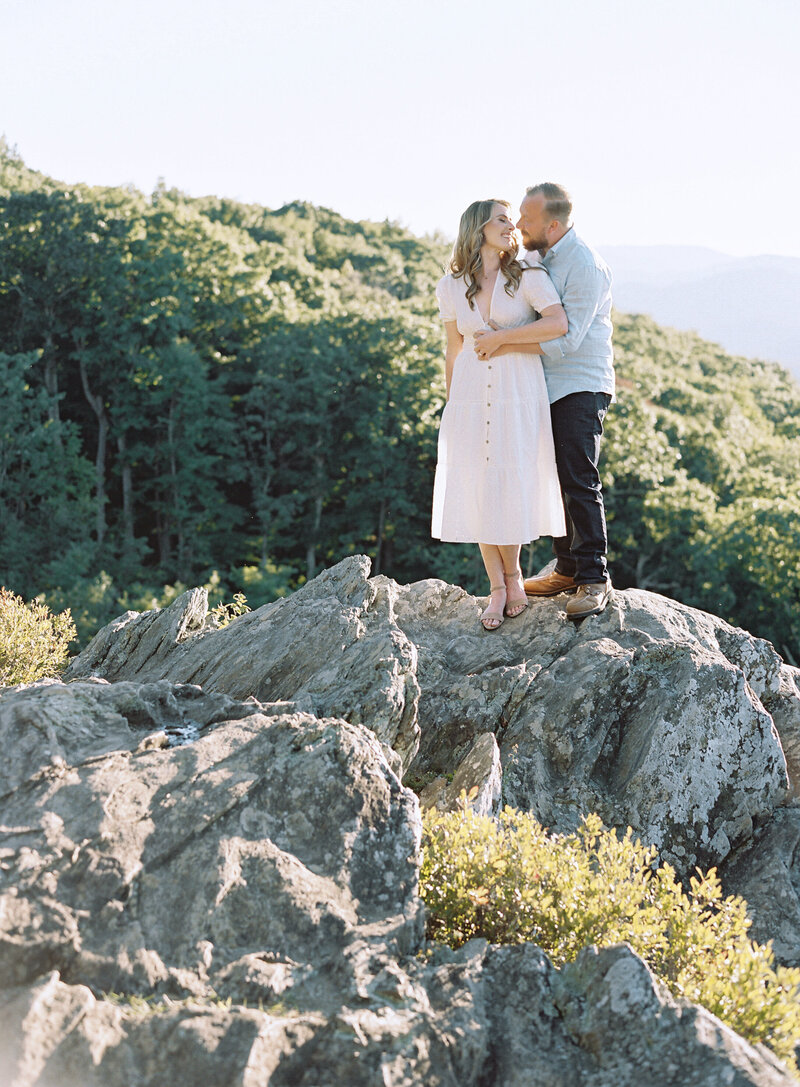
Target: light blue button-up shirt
<point>582,360</point>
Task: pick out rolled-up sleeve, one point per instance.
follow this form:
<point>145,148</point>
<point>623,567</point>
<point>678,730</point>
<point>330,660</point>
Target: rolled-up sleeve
<point>582,296</point>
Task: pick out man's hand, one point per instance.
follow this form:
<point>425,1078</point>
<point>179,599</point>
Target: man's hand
<point>487,342</point>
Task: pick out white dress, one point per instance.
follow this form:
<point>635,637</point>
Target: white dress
<point>496,479</point>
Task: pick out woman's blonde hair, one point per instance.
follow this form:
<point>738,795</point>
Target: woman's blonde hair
<point>466,259</point>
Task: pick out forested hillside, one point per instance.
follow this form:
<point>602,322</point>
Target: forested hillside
<point>200,391</point>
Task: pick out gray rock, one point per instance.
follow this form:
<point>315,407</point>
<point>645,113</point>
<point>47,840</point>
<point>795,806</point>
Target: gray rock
<point>650,714</point>
<point>484,1016</point>
<point>58,1035</point>
<point>50,724</point>
<point>140,640</point>
<point>280,836</point>
<point>784,706</point>
<point>478,775</point>
<point>84,1042</point>
<point>332,649</point>
<point>514,989</point>
<point>653,714</point>
<point>635,1032</point>
<point>766,873</point>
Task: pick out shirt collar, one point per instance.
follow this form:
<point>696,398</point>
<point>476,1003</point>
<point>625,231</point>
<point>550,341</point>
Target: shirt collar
<point>562,243</point>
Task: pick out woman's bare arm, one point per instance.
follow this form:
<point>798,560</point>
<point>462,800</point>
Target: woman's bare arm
<point>455,341</point>
<point>551,325</point>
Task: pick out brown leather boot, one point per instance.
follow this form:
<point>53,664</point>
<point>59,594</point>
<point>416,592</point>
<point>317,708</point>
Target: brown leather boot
<point>549,584</point>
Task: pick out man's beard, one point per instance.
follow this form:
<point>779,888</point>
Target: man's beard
<point>534,243</point>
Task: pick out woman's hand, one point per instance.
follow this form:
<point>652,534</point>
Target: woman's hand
<point>487,342</point>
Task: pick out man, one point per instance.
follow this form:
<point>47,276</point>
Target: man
<point>579,371</point>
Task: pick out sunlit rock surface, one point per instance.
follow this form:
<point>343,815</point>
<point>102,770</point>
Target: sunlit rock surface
<point>209,864</point>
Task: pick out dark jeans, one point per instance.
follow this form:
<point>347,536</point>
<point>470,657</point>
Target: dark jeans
<point>577,429</point>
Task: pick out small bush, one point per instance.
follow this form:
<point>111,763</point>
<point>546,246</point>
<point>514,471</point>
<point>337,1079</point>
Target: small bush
<point>33,642</point>
<point>223,614</point>
<point>509,881</point>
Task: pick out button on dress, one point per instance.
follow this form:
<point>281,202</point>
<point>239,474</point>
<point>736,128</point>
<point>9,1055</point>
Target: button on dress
<point>496,480</point>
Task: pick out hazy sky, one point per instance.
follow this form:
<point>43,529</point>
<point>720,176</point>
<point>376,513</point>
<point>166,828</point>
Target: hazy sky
<point>672,121</point>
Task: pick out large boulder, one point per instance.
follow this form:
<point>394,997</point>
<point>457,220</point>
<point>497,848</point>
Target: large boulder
<point>273,843</point>
<point>652,714</point>
<point>332,649</point>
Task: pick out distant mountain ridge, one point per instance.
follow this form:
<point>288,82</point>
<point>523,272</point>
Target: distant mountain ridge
<point>749,305</point>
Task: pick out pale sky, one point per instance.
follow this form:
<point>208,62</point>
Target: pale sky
<point>673,122</point>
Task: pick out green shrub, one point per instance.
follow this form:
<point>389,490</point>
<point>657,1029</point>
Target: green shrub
<point>33,641</point>
<point>510,881</point>
<point>223,614</point>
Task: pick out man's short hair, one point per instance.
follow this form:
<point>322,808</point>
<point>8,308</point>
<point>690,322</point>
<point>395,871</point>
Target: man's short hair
<point>557,201</point>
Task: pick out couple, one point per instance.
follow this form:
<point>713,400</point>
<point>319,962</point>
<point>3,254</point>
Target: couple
<point>529,376</point>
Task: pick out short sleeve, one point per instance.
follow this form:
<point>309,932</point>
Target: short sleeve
<point>444,296</point>
<point>538,290</point>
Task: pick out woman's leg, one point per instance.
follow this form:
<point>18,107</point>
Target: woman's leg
<point>516,600</point>
<point>493,561</point>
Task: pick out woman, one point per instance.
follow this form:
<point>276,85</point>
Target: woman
<point>496,482</point>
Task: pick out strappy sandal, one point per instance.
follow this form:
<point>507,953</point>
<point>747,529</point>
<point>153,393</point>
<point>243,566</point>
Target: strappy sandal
<point>515,605</point>
<point>496,618</point>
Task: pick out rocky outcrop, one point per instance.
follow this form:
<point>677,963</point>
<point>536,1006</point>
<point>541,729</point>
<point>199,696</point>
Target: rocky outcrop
<point>485,1017</point>
<point>332,649</point>
<point>273,842</point>
<point>652,714</point>
<point>210,824</point>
